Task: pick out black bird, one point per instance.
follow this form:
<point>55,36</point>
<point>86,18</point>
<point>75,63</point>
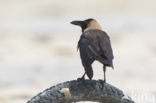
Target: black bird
<point>94,44</point>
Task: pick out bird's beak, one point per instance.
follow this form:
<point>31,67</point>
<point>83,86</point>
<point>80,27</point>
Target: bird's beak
<point>80,23</point>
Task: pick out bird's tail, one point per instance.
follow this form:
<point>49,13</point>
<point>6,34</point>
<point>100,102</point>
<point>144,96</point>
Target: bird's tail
<point>106,62</point>
<point>112,65</point>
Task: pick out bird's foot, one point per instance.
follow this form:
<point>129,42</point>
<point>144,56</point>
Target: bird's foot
<point>80,79</point>
<point>103,83</point>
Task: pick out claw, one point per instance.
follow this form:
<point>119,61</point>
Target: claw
<point>103,83</point>
<point>82,78</point>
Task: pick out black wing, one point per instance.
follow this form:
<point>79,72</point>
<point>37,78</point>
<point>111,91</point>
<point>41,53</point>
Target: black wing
<point>99,46</point>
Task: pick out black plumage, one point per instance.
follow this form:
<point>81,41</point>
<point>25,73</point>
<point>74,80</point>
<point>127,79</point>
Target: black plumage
<point>94,44</point>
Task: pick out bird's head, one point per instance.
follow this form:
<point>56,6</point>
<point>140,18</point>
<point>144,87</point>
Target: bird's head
<point>87,24</point>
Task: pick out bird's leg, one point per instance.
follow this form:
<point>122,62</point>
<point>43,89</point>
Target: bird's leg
<point>104,70</point>
<point>83,77</point>
<point>103,82</point>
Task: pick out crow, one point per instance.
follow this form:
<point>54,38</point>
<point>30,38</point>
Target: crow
<point>94,44</point>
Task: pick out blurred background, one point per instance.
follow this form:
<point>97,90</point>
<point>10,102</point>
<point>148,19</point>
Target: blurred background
<point>38,45</point>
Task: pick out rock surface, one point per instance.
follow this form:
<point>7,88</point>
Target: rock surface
<point>87,90</point>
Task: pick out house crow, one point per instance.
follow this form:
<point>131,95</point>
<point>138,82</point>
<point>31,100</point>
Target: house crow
<point>94,44</point>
